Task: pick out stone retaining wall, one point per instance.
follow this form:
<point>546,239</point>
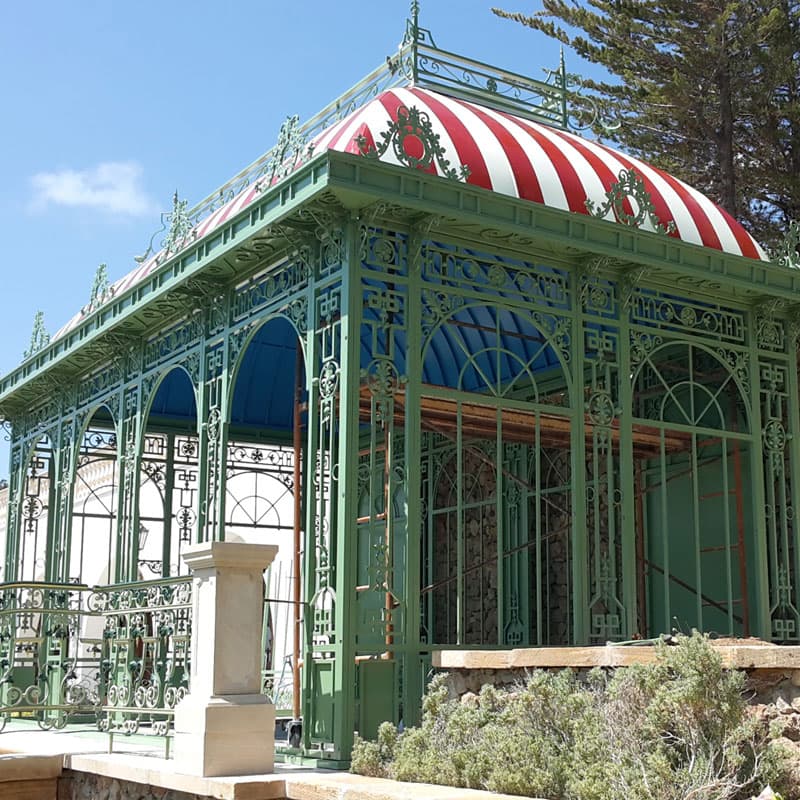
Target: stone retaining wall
<point>83,786</point>
<point>76,785</point>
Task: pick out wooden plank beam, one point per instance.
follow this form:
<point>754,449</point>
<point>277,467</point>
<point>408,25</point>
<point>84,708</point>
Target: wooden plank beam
<point>480,421</point>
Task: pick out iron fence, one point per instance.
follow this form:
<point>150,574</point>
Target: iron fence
<point>50,647</point>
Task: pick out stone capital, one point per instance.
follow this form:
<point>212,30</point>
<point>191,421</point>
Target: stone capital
<point>231,555</point>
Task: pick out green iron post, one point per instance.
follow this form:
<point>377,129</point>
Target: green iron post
<point>347,495</point>
<point>760,620</point>
<point>412,665</point>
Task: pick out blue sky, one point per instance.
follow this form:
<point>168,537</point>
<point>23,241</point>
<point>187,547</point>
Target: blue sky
<point>109,107</point>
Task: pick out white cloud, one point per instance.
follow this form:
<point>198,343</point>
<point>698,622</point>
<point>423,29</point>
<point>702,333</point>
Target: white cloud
<point>114,186</point>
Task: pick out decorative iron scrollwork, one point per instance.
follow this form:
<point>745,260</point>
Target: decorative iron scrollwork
<point>788,252</point>
<point>630,186</point>
<point>414,143</point>
<point>291,149</point>
<point>179,226</point>
<point>101,291</point>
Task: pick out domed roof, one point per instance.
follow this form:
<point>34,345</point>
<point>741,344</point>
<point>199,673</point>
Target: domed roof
<point>525,159</point>
<point>511,155</point>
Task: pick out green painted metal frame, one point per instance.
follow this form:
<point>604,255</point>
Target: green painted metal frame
<point>349,251</point>
<point>316,277</point>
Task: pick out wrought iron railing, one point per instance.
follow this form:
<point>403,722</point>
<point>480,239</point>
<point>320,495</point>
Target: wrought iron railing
<point>146,647</point>
<point>50,645</point>
<point>115,656</point>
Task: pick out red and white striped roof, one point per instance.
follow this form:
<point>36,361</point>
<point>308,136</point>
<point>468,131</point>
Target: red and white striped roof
<point>524,159</point>
<point>515,157</point>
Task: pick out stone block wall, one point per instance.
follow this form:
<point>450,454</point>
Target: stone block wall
<point>85,786</point>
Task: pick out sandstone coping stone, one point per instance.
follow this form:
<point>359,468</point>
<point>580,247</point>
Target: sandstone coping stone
<point>29,777</point>
<point>287,783</point>
<point>25,766</point>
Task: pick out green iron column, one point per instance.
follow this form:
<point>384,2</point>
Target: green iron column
<point>625,478</point>
<point>793,444</point>
<point>346,553</point>
<point>760,616</point>
<point>129,454</point>
<point>778,394</point>
<point>413,678</point>
<point>64,469</point>
<point>16,482</point>
<point>327,642</point>
<point>310,504</point>
<point>212,431</point>
<point>580,550</point>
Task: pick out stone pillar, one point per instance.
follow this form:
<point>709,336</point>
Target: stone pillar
<point>225,726</point>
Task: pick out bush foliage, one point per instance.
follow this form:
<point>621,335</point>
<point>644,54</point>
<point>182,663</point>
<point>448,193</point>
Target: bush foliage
<point>675,730</point>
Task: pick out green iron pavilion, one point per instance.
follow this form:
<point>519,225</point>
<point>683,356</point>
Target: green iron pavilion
<point>515,389</point>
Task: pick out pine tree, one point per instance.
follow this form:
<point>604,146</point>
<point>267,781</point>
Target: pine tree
<point>708,90</point>
<point>771,143</point>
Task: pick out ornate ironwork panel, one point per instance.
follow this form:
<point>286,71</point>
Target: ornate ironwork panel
<point>50,643</point>
<point>93,531</point>
<point>145,659</point>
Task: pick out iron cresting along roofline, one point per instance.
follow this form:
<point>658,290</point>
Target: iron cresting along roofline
<point>360,182</point>
<point>420,62</point>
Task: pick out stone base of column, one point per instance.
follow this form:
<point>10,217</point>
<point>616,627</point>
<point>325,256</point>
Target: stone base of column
<point>227,735</point>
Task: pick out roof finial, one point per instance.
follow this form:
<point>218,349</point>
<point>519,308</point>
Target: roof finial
<point>40,338</point>
<point>100,285</point>
<point>788,252</point>
<point>101,290</point>
<point>180,226</point>
<point>412,25</point>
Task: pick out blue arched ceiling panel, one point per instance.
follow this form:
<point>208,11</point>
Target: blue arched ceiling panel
<point>480,345</point>
<point>174,400</point>
<point>475,330</point>
<point>480,348</point>
<point>263,395</point>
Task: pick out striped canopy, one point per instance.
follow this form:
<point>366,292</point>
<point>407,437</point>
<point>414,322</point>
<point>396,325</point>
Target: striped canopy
<point>512,156</point>
<point>531,161</point>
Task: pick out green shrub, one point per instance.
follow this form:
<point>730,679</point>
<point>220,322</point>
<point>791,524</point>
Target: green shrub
<point>675,730</point>
<point>373,758</point>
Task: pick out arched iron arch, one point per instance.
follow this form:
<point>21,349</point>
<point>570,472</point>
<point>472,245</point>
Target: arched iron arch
<point>89,437</point>
<point>736,372</point>
<point>259,323</point>
<point>555,342</point>
<point>147,404</point>
<point>168,470</point>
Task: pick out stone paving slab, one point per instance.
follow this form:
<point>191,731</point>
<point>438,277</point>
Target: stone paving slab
<point>344,786</point>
